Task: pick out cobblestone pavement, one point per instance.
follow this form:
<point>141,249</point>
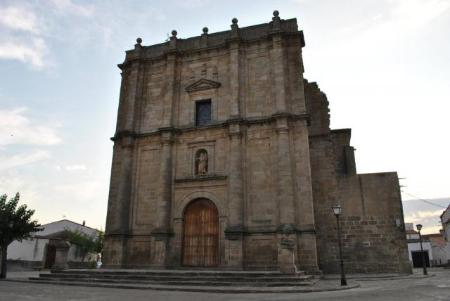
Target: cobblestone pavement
<point>408,289</point>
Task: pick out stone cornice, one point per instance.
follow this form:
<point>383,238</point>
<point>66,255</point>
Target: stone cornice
<point>216,40</point>
<point>212,177</point>
<point>241,121</point>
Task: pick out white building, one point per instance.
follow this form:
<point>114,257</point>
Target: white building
<point>414,250</point>
<point>445,220</point>
<point>39,252</point>
<point>440,248</point>
<point>435,246</point>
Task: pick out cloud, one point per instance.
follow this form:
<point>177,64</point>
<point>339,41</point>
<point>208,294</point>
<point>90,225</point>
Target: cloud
<point>417,13</point>
<point>19,18</point>
<point>75,167</point>
<point>21,38</point>
<point>23,159</point>
<point>191,3</point>
<point>69,7</point>
<point>421,215</point>
<point>81,191</point>
<point>401,18</point>
<point>17,129</point>
<point>33,52</point>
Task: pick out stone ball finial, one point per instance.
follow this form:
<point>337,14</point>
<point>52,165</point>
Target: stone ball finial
<point>139,41</point>
<point>205,30</point>
<point>234,20</point>
<point>276,13</point>
<point>174,33</point>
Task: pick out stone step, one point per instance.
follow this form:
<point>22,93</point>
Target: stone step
<point>209,289</point>
<point>179,272</point>
<point>215,278</point>
<point>192,282</point>
<point>186,280</point>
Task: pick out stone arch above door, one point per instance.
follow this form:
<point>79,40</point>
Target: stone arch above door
<point>179,209</point>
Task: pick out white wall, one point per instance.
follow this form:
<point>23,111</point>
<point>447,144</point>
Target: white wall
<point>445,219</point>
<point>415,246</point>
<point>34,249</point>
<point>27,250</point>
<point>441,254</point>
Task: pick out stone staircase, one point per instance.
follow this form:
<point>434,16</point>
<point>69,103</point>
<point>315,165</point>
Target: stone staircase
<point>182,280</point>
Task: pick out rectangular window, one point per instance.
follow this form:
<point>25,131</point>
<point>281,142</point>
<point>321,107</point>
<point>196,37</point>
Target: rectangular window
<point>203,112</point>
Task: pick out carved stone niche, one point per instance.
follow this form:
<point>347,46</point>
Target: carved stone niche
<point>202,154</point>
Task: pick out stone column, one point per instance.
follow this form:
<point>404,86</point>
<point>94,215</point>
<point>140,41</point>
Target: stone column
<point>234,231</point>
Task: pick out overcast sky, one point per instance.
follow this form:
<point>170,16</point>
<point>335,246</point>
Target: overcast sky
<point>384,65</point>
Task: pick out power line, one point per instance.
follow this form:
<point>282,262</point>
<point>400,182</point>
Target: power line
<point>425,201</point>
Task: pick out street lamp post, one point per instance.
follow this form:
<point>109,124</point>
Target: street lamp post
<point>337,210</point>
<point>424,265</point>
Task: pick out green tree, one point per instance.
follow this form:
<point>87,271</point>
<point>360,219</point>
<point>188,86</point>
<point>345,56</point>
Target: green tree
<point>86,243</point>
<point>15,224</point>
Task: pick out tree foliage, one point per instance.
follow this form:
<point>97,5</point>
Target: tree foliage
<point>15,224</point>
<point>86,243</point>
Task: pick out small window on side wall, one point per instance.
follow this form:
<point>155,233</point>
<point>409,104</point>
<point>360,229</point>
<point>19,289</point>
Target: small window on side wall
<point>203,112</point>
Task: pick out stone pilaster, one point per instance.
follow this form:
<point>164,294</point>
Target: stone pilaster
<point>162,231</point>
<point>170,75</point>
<point>118,216</point>
<point>305,221</point>
<point>286,229</point>
<point>234,231</point>
<point>285,181</point>
<point>234,70</point>
<point>277,57</point>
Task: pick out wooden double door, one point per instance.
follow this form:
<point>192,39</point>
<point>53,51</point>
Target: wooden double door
<point>201,234</point>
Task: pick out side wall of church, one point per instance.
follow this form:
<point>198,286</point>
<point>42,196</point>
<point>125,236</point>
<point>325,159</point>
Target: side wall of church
<point>373,234</point>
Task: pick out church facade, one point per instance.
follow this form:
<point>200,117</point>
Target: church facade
<point>224,158</point>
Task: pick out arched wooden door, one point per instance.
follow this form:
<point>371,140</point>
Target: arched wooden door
<point>201,234</point>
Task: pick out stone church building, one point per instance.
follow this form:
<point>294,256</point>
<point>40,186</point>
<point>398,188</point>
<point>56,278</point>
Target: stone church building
<point>224,158</point>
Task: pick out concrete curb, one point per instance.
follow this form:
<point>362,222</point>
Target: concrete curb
<point>205,289</point>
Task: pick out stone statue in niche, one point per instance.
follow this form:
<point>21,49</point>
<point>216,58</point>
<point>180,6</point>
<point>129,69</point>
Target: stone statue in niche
<point>201,162</point>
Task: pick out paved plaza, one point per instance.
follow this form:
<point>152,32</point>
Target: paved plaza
<point>412,288</point>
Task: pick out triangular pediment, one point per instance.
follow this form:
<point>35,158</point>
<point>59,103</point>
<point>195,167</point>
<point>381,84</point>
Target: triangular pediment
<point>202,84</point>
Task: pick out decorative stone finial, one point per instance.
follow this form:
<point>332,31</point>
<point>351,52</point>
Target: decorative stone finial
<point>139,41</point>
<point>205,30</point>
<point>174,33</point>
<point>276,21</point>
<point>234,28</point>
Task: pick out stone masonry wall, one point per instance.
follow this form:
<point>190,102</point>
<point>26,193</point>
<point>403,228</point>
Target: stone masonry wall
<point>374,239</point>
<point>259,174</point>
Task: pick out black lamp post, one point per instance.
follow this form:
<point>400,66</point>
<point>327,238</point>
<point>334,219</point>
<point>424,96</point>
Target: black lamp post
<point>337,210</point>
<point>424,265</point>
